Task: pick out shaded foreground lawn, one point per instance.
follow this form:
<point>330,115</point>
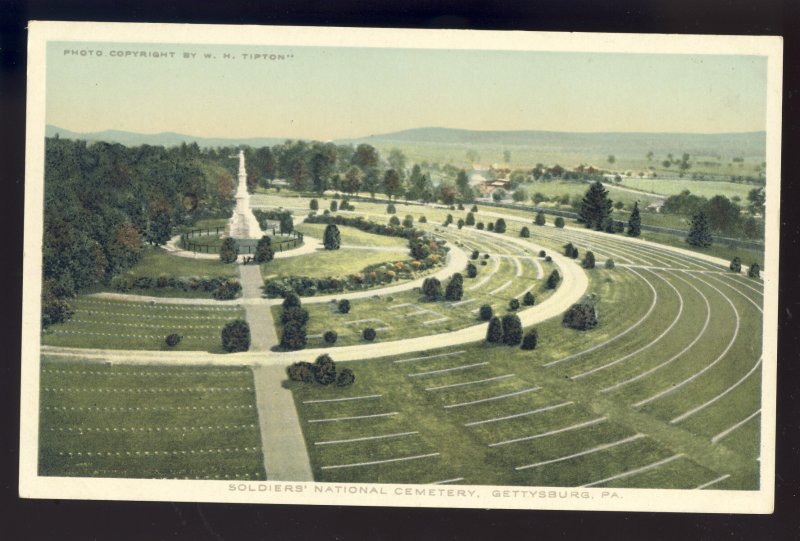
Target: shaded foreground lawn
<point>100,420</point>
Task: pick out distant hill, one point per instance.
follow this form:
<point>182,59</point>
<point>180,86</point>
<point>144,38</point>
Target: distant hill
<point>166,139</point>
<point>752,144</point>
<point>745,144</point>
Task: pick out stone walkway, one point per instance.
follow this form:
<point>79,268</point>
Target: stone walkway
<point>259,316</point>
<point>285,454</point>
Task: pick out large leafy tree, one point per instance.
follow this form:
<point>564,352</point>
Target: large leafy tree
<point>595,206</point>
<point>392,183</point>
<point>352,180</point>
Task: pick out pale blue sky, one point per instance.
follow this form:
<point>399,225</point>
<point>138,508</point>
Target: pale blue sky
<point>331,93</point>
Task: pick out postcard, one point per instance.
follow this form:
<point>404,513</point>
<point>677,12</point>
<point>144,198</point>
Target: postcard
<point>383,267</point>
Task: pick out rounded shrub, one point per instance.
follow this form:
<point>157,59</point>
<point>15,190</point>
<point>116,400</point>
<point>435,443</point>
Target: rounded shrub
<point>324,370</point>
<point>408,221</point>
<point>173,339</point>
<point>368,334</point>
<point>470,219</point>
<point>301,371</point>
<point>422,220</point>
<point>528,299</point>
<point>331,238</point>
<point>455,288</point>
<point>474,208</point>
<point>472,270</point>
<point>229,250</point>
<point>525,232</point>
<point>736,264</point>
<point>390,208</point>
<point>313,204</point>
<point>432,288</point>
<point>475,254</point>
<point>485,312</point>
<point>344,306</point>
<point>479,226</point>
<point>754,271</point>
<point>395,221</point>
<point>236,336</point>
<point>512,330</point>
<point>559,222</point>
<point>542,253</point>
<point>291,300</point>
<point>486,256</point>
<point>553,280</point>
<point>330,337</point>
<point>530,339</point>
<point>609,264</point>
<point>490,227</point>
<point>293,336</point>
<point>548,258</point>
<point>588,260</point>
<point>460,223</point>
<point>334,205</point>
<point>264,252</point>
<point>539,220</point>
<point>513,304</point>
<point>494,333</point>
<point>345,378</point>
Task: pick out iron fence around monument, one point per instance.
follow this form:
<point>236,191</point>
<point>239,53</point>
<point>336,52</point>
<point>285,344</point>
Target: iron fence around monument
<point>280,243</point>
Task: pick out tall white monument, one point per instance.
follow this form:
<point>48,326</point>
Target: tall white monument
<point>243,223</point>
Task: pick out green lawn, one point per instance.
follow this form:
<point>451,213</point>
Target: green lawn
<point>156,261</point>
<point>324,263</point>
<point>101,420</point>
<point>112,324</point>
<point>355,237</point>
<point>703,188</point>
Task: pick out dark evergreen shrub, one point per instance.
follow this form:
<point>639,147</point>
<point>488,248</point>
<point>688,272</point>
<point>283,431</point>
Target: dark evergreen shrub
<point>301,371</point>
<point>588,260</point>
<point>313,204</point>
<point>460,223</point>
<point>609,264</point>
<point>559,222</point>
<point>553,280</point>
<point>330,337</point>
<point>542,253</point>
<point>475,254</point>
<point>422,220</point>
<point>344,306</point>
<point>294,313</point>
<point>236,336</point>
<point>432,288</point>
<point>472,270</point>
<point>568,249</point>
<point>390,208</point>
<point>264,252</point>
<point>173,340</point>
<point>494,333</point>
<point>539,220</point>
<point>490,227</point>
<point>548,258</point>
<point>485,312</point>
<point>470,219</point>
<point>395,221</point>
<point>408,221</point>
<point>346,378</point>
<point>228,251</point>
<point>479,226</point>
<point>754,271</point>
<point>331,238</point>
<point>293,336</point>
<point>581,316</point>
<point>448,220</point>
<point>290,300</point>
<point>368,334</point>
<point>525,232</point>
<point>528,299</point>
<point>500,226</point>
<point>334,206</point>
<point>324,370</point>
<point>455,288</point>
<point>513,304</point>
<point>530,339</point>
<point>736,264</point>
<point>474,208</point>
<point>512,330</point>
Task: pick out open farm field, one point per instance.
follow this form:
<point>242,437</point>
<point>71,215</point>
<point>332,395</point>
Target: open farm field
<point>116,420</point>
<point>117,324</point>
<point>703,188</point>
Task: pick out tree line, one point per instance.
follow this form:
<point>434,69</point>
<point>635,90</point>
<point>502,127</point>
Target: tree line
<point>103,202</point>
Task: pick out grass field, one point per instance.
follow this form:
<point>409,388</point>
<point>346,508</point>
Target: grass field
<point>703,188</point>
<point>156,261</point>
<point>100,420</point>
<point>113,324</point>
<point>352,236</point>
<point>324,263</point>
<point>499,415</point>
